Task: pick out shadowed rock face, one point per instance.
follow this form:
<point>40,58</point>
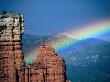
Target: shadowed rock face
<point>11,57</point>
<point>48,67</point>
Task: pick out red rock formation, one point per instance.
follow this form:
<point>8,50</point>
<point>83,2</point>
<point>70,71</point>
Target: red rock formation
<point>49,67</point>
<point>11,58</point>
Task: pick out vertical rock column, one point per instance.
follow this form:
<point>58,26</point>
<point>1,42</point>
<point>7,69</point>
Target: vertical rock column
<point>55,65</point>
<point>11,56</point>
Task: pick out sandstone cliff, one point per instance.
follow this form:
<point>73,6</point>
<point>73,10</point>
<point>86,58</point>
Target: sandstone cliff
<point>48,67</point>
<point>11,56</point>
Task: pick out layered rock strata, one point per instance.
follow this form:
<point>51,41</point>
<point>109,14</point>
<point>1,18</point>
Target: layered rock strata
<point>11,56</point>
<point>48,67</point>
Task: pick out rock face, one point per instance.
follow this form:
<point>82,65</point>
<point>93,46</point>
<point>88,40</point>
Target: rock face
<point>11,56</point>
<point>48,67</point>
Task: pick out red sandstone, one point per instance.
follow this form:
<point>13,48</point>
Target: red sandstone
<point>48,67</point>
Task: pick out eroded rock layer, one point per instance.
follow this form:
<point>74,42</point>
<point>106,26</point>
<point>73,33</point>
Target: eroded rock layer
<point>48,67</point>
<point>11,57</point>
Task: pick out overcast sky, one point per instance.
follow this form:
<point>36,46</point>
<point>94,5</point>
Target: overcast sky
<point>53,16</point>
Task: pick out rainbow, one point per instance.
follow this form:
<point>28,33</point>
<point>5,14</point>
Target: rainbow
<point>88,31</point>
<point>85,32</point>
